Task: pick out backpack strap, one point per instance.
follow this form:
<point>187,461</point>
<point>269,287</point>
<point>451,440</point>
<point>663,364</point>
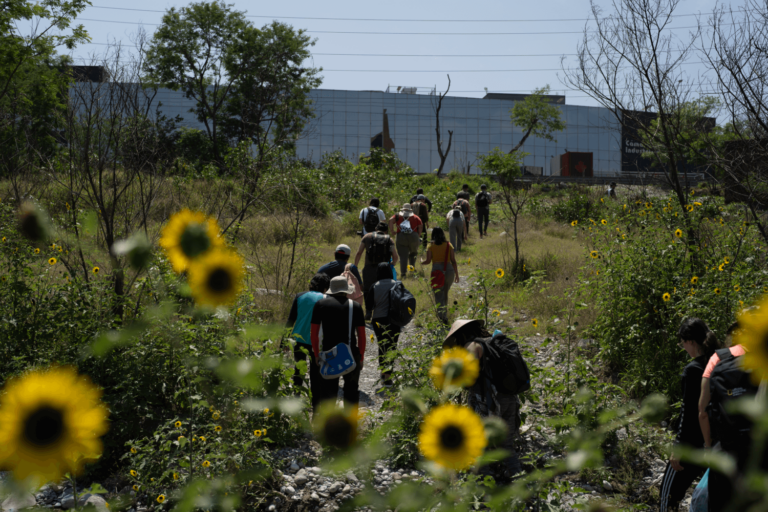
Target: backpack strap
<point>349,332</point>
<point>724,354</point>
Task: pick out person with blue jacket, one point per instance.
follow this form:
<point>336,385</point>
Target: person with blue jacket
<point>300,319</point>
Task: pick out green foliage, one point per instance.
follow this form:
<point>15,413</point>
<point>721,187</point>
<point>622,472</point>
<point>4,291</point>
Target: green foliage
<point>536,116</point>
<point>504,165</point>
<point>577,206</point>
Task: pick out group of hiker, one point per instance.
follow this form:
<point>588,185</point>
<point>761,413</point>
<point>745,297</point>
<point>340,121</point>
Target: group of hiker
<point>710,383</point>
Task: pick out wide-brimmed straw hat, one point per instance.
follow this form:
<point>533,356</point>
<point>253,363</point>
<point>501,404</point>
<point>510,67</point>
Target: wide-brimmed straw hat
<point>406,211</point>
<point>450,339</point>
<point>339,285</point>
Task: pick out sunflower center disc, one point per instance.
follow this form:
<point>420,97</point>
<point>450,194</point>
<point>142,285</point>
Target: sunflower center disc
<point>44,426</point>
<point>453,369</point>
<point>194,240</point>
<point>338,431</point>
<point>452,437</point>
<point>219,281</point>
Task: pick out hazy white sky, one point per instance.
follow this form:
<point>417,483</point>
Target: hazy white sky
<point>517,51</point>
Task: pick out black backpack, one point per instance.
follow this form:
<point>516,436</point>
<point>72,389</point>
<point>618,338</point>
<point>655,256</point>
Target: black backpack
<point>505,365</point>
<point>464,205</point>
<point>380,249</point>
<point>371,219</point>
<point>456,214</point>
<point>402,305</point>
<point>728,383</point>
<point>481,200</point>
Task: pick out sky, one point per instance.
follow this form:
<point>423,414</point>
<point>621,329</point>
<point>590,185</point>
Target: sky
<point>495,44</point>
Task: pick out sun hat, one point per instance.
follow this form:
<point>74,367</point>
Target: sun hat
<point>339,285</point>
<point>456,327</point>
<point>343,248</point>
<point>406,211</point>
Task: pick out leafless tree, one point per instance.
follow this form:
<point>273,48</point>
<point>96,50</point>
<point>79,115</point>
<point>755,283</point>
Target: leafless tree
<point>437,104</point>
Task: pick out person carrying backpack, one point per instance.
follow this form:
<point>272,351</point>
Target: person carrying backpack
<point>300,319</point>
<point>445,271</point>
<point>408,228</point>
<point>387,332</point>
<point>341,321</point>
<point>420,208</point>
<point>379,248</point>
<point>371,215</point>
<point>503,375</point>
<point>462,201</point>
<point>420,192</point>
<point>339,264</point>
<point>700,343</point>
<point>455,221</point>
<point>483,201</point>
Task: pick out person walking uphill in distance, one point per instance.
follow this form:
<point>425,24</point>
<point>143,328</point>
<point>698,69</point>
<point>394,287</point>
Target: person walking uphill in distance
<point>300,318</point>
<point>455,221</point>
<point>339,264</point>
<point>483,201</point>
<point>443,259</point>
<point>408,228</point>
<point>420,192</point>
<point>371,215</point>
<point>387,333</point>
<point>700,343</point>
<point>332,314</point>
<point>462,202</point>
<point>379,248</point>
<point>422,211</point>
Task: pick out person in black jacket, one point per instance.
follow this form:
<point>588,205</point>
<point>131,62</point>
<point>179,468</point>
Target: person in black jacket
<point>387,333</point>
<point>700,343</point>
<point>419,192</point>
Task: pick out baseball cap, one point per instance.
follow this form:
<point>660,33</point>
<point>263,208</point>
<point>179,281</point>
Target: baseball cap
<point>343,248</point>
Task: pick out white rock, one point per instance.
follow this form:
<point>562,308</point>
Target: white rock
<point>315,470</point>
<point>346,489</point>
<point>294,467</point>
<point>96,501</point>
<point>272,507</point>
<point>14,503</point>
<point>314,496</point>
<point>414,473</point>
<point>607,486</point>
<point>300,478</point>
<point>336,487</point>
<point>289,490</point>
<point>351,477</point>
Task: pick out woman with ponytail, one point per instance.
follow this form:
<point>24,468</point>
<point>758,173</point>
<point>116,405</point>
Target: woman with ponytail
<point>700,343</point>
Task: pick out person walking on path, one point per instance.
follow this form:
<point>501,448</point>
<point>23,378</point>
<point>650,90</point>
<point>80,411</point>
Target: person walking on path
<point>332,314</point>
<point>611,190</point>
<point>371,215</point>
<point>339,264</point>
<point>455,221</point>
<point>422,211</point>
<point>300,319</point>
<point>378,248</point>
<point>700,343</point>
<point>463,203</point>
<point>420,192</point>
<point>483,201</point>
<point>387,333</point>
<point>408,228</point>
<point>443,258</point>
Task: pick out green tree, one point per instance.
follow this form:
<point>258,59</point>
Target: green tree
<point>537,117</point>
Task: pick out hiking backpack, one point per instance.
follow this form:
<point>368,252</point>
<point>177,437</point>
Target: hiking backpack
<point>371,219</point>
<point>481,200</point>
<point>506,366</point>
<point>456,214</point>
<point>379,251</point>
<point>402,305</point>
<point>464,205</point>
<point>405,226</point>
<point>727,384</point>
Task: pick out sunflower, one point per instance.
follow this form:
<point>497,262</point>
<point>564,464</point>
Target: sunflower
<point>134,473</point>
<point>535,322</point>
<point>51,261</point>
<point>717,291</point>
<point>206,464</point>
<point>721,267</point>
<point>135,487</point>
<point>496,312</point>
<point>737,288</point>
<point>50,424</point>
<point>649,205</point>
<point>216,415</point>
<point>499,273</point>
<point>161,498</point>
<point>37,251</point>
<point>177,424</point>
<point>726,260</point>
<point>694,280</point>
<point>452,436</point>
<point>697,203</point>
<point>753,335</point>
<point>175,476</point>
<point>217,428</point>
<point>604,222</point>
<point>679,233</point>
<point>180,438</point>
<point>202,439</point>
<point>336,427</point>
<point>594,254</point>
<point>216,278</point>
<point>574,223</point>
<point>95,270</point>
<point>257,433</point>
<point>455,367</point>
<point>411,268</point>
<point>187,236</point>
<point>134,450</point>
<point>371,337</point>
<point>666,297</point>
<point>689,207</point>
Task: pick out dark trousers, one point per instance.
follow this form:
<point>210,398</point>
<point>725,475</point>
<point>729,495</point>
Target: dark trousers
<point>674,484</point>
<point>483,215</point>
<point>387,336</point>
<point>312,370</point>
<point>721,487</point>
<point>328,389</point>
<point>369,279</point>
<point>467,220</point>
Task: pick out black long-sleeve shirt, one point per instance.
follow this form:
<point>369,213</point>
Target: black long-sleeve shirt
<point>688,430</point>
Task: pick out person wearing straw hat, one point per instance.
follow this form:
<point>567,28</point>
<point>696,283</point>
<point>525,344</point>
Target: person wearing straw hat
<point>408,228</point>
<point>332,314</point>
<point>484,397</point>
